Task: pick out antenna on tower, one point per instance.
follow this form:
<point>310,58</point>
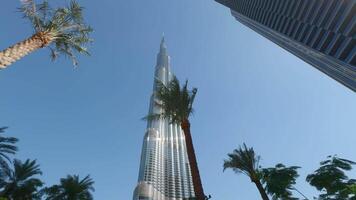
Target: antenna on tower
<point>162,41</point>
<point>163,44</point>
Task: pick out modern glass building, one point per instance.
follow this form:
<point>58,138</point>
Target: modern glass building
<point>321,32</point>
<point>164,170</point>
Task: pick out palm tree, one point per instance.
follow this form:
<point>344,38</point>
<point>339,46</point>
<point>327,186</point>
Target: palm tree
<point>6,147</point>
<point>21,183</point>
<point>244,160</point>
<point>62,30</point>
<point>71,188</point>
<point>177,106</point>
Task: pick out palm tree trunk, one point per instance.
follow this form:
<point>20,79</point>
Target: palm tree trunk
<point>21,49</point>
<point>198,188</point>
<point>261,190</point>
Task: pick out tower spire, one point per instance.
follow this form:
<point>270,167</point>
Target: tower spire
<point>163,47</point>
<point>163,59</point>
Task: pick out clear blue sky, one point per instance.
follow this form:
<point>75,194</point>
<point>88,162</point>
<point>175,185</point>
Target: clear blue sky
<point>87,120</point>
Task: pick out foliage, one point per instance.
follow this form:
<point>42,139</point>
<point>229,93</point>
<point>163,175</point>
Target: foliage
<point>65,24</point>
<point>279,181</point>
<point>71,188</point>
<point>244,160</point>
<point>7,146</point>
<point>21,182</point>
<point>331,178</point>
<point>351,190</point>
<point>176,102</point>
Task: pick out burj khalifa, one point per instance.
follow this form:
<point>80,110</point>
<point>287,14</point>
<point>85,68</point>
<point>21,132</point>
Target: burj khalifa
<point>164,169</point>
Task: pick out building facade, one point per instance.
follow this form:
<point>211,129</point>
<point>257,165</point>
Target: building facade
<point>320,32</point>
<point>164,170</point>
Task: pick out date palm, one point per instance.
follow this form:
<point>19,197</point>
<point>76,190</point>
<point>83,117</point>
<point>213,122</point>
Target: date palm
<point>177,106</point>
<point>244,160</point>
<point>7,147</point>
<point>71,188</point>
<point>62,30</point>
<point>21,182</point>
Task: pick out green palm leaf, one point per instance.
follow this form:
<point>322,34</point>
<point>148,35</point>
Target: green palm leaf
<point>71,188</point>
<point>21,182</point>
<point>7,148</point>
<point>63,30</point>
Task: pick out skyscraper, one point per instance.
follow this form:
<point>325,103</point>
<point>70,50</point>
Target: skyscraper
<point>164,170</point>
<point>321,32</point>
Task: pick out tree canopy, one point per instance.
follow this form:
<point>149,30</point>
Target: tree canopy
<point>65,25</point>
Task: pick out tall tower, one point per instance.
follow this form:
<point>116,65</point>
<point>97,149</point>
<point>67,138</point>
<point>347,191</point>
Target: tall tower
<point>164,170</point>
<point>321,32</point>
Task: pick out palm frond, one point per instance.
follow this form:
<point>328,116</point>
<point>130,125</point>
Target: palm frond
<point>32,12</point>
<point>175,101</point>
<point>151,117</point>
<point>71,187</point>
<point>243,160</point>
<point>21,182</point>
<point>66,24</point>
<point>7,147</point>
<point>27,169</point>
<point>2,129</point>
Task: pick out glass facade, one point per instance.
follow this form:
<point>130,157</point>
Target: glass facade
<point>321,32</point>
<point>164,170</point>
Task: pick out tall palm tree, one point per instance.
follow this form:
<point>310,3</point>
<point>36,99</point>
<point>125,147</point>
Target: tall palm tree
<point>71,188</point>
<point>62,30</point>
<point>177,105</point>
<point>21,183</point>
<point>244,160</point>
<point>7,146</point>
